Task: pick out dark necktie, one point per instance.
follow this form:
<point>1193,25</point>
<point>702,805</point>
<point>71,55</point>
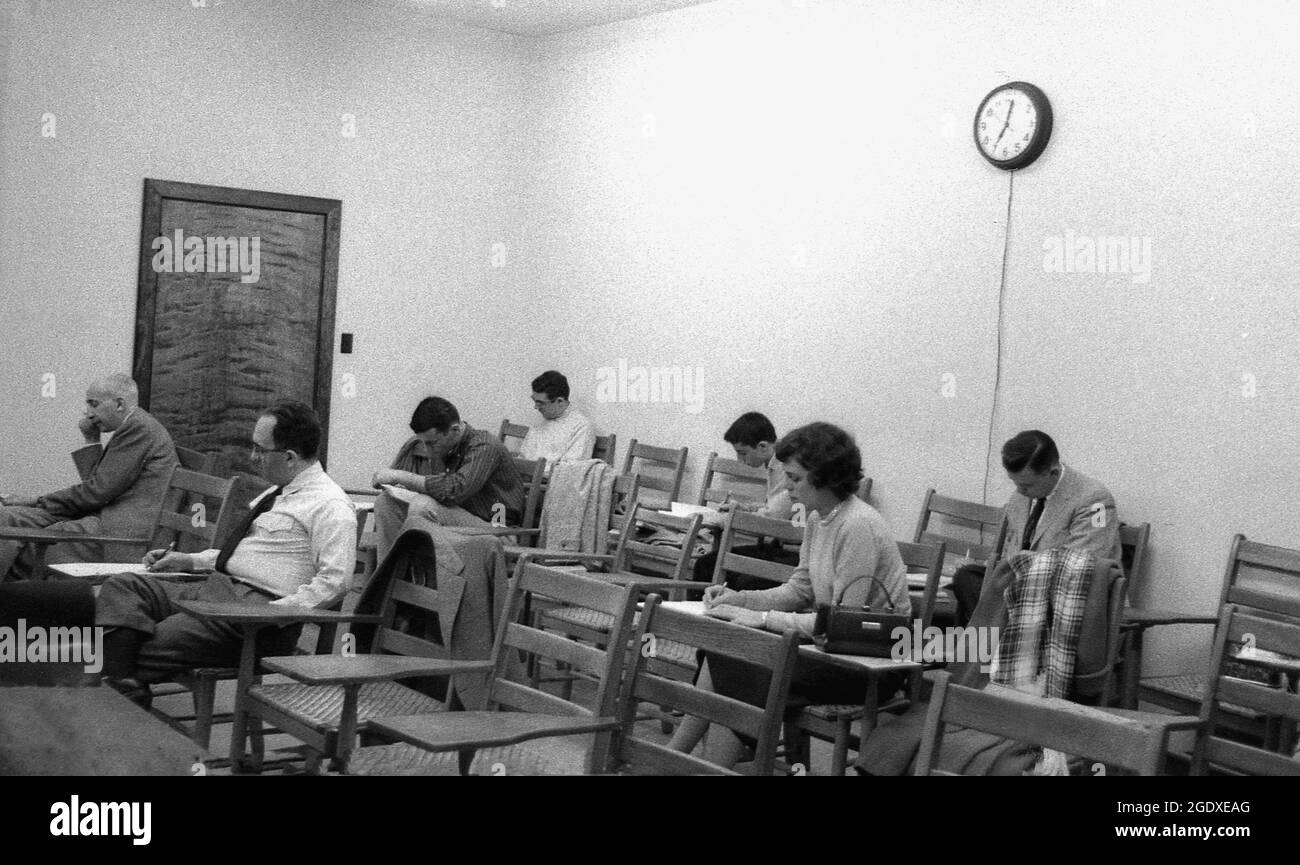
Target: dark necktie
<point>241,530</point>
<point>1026,542</point>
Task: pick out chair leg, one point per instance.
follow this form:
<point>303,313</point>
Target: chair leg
<point>204,694</point>
<point>840,749</point>
<point>798,747</point>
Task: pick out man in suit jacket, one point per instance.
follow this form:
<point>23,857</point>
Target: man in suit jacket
<point>122,484</point>
<point>1053,506</point>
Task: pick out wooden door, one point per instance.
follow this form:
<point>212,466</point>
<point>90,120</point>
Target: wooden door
<point>235,310</point>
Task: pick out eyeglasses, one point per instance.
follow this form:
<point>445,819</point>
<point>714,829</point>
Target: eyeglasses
<point>258,451</point>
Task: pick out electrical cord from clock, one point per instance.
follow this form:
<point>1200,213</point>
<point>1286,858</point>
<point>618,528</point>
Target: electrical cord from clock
<point>997,367</point>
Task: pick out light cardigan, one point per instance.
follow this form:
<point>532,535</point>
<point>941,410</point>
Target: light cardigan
<point>853,542</point>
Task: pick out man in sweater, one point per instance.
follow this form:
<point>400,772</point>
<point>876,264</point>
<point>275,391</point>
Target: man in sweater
<point>122,483</point>
<point>564,433</point>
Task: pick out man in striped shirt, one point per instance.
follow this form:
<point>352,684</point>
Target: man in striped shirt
<point>448,473</point>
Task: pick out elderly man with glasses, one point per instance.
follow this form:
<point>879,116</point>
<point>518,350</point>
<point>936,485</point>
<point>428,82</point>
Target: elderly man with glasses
<point>296,547</point>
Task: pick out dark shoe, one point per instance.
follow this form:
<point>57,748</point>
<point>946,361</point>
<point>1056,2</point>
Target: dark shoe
<point>133,690</point>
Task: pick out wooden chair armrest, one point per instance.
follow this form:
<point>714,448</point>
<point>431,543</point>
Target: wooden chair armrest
<point>53,536</point>
<point>359,669</point>
<point>1155,719</point>
<point>540,557</point>
<point>278,615</point>
<point>455,731</point>
<point>495,531</point>
<point>1147,617</point>
<point>356,491</point>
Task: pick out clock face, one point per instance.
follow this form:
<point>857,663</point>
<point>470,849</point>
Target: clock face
<point>1013,125</point>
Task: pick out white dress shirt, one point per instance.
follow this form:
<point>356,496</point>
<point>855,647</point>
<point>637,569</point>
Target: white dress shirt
<point>303,550</point>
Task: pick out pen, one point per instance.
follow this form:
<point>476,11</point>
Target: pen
<point>170,548</point>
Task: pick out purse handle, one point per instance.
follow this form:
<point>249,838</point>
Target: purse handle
<point>888,601</point>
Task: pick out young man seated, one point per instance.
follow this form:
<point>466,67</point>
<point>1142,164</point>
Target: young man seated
<point>564,433</point>
<point>458,475</point>
<point>1053,506</point>
<point>754,439</point>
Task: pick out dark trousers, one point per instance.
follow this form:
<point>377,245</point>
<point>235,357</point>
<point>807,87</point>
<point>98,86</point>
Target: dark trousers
<point>771,552</point>
<point>966,585</point>
<point>169,639</point>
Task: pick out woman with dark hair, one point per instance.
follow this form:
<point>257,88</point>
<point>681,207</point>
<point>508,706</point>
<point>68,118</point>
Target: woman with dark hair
<point>848,556</point>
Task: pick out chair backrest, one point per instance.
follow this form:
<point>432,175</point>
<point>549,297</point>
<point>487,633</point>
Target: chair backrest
<point>927,558</point>
<point>512,435</point>
<point>1077,730</point>
<point>196,461</point>
<point>603,448</point>
<point>726,478</point>
<point>661,470</point>
<point>671,560</point>
<point>969,529</point>
<point>533,475</point>
<point>864,490</point>
<point>636,755</point>
<point>194,508</point>
<point>744,529</point>
<point>1261,640</point>
<point>1260,576</point>
<point>518,641</point>
<point>417,608</point>
<point>1133,541</point>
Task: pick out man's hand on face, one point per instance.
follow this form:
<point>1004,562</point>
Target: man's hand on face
<point>89,428</point>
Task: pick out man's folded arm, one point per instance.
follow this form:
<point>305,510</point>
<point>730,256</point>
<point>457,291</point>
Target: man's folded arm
<point>118,469</point>
<point>455,487</point>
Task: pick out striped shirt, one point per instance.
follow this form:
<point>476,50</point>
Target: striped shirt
<point>479,473</point>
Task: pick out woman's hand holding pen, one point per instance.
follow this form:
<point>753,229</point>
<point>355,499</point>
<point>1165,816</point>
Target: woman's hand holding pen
<point>717,595</point>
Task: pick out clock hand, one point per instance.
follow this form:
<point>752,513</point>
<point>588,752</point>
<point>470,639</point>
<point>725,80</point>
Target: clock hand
<point>1007,124</point>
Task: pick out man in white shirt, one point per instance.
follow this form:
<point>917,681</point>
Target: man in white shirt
<point>564,433</point>
<point>298,549</point>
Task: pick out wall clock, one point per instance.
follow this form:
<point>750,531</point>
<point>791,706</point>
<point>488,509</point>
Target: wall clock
<point>1013,124</point>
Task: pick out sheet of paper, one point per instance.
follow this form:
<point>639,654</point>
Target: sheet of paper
<point>402,494</point>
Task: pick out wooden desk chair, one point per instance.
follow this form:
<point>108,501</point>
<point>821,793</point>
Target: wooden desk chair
<point>741,529</point>
<point>834,722</point>
<point>643,566</point>
<point>1082,731</point>
<point>183,520</point>
<point>1276,699</point>
<point>512,435</point>
<point>516,713</point>
<point>661,471</point>
<point>969,531</point>
<point>196,461</point>
<point>727,479</point>
<point>603,449</point>
<point>1259,578</point>
<point>1133,541</point>
<point>405,620</point>
<point>635,754</point>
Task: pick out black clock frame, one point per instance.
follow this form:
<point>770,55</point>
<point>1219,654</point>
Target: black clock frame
<point>1043,131</point>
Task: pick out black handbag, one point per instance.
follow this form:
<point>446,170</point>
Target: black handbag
<point>849,630</point>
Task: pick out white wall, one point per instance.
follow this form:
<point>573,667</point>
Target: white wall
<point>252,95</point>
<point>693,158</point>
<point>783,195</point>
